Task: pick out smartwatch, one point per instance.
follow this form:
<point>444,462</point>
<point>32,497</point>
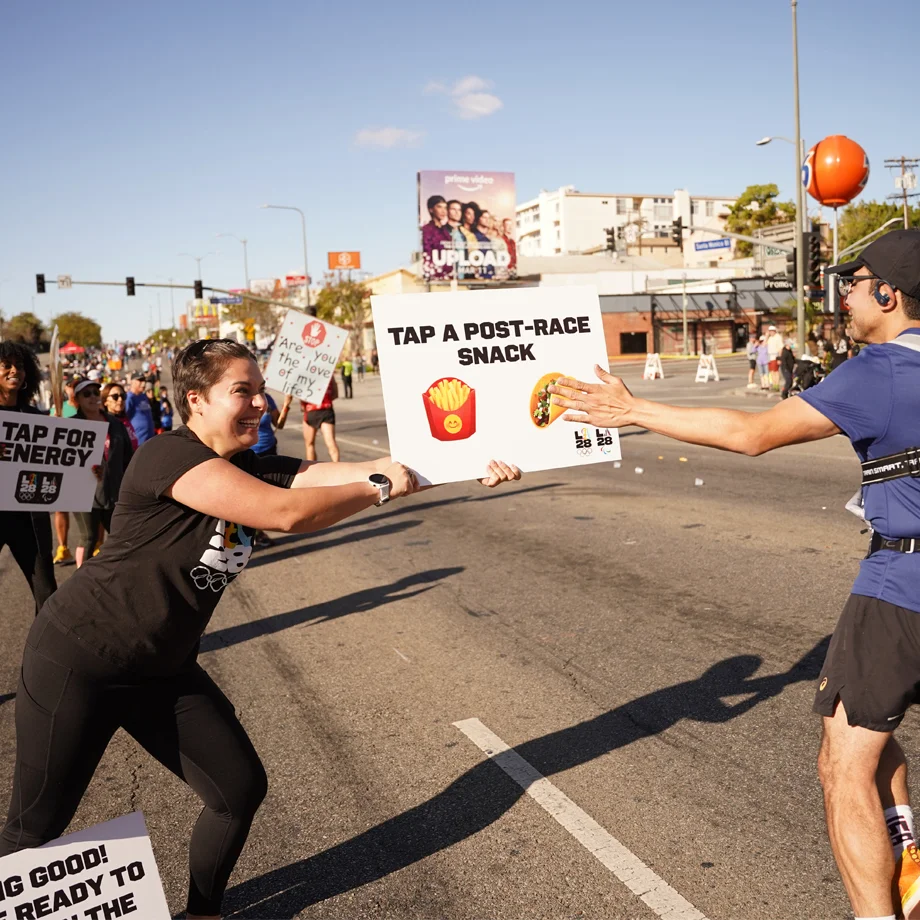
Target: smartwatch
<point>382,484</point>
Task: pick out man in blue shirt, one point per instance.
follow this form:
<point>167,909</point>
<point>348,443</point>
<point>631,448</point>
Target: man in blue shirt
<point>872,672</point>
<point>137,408</point>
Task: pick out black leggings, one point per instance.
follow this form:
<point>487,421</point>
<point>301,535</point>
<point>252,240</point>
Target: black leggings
<point>69,704</point>
<point>29,538</point>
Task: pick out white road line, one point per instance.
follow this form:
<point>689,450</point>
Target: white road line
<point>401,655</point>
<point>628,868</point>
<point>354,442</point>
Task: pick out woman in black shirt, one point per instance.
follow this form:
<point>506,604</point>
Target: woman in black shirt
<point>27,534</point>
<point>117,645</point>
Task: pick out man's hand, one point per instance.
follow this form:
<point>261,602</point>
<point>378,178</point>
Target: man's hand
<point>500,472</point>
<point>97,472</point>
<point>605,405</point>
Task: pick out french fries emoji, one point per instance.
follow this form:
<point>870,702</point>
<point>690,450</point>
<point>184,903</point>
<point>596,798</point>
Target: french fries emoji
<point>451,408</point>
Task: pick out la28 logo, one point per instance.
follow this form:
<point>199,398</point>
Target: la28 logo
<point>583,441</point>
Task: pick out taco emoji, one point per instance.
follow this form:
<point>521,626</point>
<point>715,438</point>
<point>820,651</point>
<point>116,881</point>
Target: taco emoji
<point>542,412</point>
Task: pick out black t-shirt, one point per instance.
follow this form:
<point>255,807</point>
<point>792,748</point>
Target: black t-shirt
<point>145,600</point>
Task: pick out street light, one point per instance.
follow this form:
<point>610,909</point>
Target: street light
<point>303,226</point>
<point>198,259</point>
<point>779,137</point>
<point>245,256</point>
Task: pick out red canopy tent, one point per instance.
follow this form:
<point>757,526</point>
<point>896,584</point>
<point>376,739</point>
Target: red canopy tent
<point>72,349</point>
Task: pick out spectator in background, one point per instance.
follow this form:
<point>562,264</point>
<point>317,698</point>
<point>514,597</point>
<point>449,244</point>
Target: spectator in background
<point>359,366</point>
<point>272,420</point>
<point>62,555</point>
<point>375,361</point>
<point>115,458</point>
<point>154,408</point>
<point>166,411</point>
<point>114,400</point>
<point>774,348</point>
<point>347,373</point>
<point>752,361</point>
<point>840,348</point>
<point>787,366</point>
<point>27,534</point>
<point>763,363</point>
<point>137,408</point>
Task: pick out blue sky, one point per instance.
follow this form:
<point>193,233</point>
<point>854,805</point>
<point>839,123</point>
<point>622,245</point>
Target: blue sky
<point>132,132</point>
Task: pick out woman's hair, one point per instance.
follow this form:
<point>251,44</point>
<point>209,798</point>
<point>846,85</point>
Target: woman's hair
<point>14,353</point>
<point>104,392</point>
<point>199,366</point>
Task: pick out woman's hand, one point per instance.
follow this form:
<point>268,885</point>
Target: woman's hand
<point>607,404</point>
<point>500,472</point>
<point>402,480</point>
<point>97,472</point>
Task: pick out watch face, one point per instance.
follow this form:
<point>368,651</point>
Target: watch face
<point>379,479</point>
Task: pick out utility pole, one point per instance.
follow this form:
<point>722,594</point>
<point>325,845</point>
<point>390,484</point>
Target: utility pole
<point>799,193</point>
<point>906,181</point>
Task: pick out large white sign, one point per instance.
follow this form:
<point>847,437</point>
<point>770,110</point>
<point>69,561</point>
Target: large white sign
<point>46,464</point>
<point>465,378</point>
<point>304,357</point>
<point>104,872</point>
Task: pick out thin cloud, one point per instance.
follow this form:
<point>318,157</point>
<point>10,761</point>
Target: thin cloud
<point>468,96</point>
<point>388,138</point>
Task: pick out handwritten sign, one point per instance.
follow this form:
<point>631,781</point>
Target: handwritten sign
<point>104,872</point>
<point>465,378</point>
<point>304,357</point>
<point>46,464</point>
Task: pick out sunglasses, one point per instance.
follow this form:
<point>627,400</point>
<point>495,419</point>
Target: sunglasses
<point>197,349</point>
<point>846,284</point>
<point>89,391</point>
<point>115,396</point>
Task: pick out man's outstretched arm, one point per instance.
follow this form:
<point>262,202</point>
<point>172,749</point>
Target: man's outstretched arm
<point>609,404</point>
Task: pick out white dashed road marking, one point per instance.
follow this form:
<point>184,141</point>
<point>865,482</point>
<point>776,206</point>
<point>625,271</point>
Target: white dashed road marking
<point>628,868</point>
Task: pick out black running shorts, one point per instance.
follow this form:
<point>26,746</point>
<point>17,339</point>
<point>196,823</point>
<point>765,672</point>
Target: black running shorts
<point>316,418</point>
<point>872,665</point>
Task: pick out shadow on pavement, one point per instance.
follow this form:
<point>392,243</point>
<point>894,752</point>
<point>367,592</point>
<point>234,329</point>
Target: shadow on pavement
<point>411,507</point>
<point>485,793</point>
<point>6,697</point>
<point>358,602</point>
<point>297,546</point>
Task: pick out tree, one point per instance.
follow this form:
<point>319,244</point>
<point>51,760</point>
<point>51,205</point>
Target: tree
<point>26,328</point>
<point>346,304</point>
<point>252,313</point>
<point>755,209</point>
<point>860,218</point>
<point>75,327</point>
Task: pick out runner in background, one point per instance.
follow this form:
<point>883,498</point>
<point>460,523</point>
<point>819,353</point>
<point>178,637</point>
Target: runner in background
<point>321,417</point>
<point>137,409</point>
<point>27,535</point>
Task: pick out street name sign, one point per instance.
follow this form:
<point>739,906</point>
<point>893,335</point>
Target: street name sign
<point>705,245</point>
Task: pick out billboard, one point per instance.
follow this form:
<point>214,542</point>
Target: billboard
<point>467,225</point>
<point>344,261</point>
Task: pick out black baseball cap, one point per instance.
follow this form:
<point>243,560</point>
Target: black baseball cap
<point>138,376</point>
<point>895,258</point>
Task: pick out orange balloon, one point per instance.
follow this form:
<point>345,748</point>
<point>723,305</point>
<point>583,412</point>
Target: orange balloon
<point>835,170</point>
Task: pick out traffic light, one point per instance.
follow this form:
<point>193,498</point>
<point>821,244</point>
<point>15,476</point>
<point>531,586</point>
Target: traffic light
<point>39,284</point>
<point>199,291</point>
<point>677,232</point>
<point>813,269</point>
<point>129,284</point>
<point>790,267</point>
<point>611,239</point>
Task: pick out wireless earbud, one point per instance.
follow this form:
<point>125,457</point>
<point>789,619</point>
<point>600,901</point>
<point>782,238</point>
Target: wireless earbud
<point>882,299</point>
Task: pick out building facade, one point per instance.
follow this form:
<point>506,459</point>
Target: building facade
<point>569,222</point>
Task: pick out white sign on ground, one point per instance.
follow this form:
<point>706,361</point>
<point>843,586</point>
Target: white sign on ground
<point>653,369</point>
<point>304,357</point>
<point>465,378</point>
<point>46,464</point>
<point>103,872</point>
<point>706,370</point>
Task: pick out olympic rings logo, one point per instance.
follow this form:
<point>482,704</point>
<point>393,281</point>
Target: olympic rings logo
<point>203,577</point>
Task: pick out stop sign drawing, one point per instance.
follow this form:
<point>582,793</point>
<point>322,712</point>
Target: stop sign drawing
<point>314,334</point>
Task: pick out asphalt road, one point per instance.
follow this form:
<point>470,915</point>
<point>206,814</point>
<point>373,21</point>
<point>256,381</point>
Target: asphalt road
<point>647,644</point>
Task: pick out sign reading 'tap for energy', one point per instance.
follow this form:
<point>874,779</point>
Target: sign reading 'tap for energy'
<point>304,356</point>
<point>465,378</point>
